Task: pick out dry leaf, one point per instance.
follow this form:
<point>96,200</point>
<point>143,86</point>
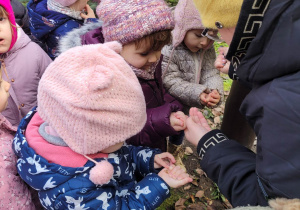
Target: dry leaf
<point>194,182</point>
<point>199,194</point>
<point>198,171</point>
<point>209,202</point>
<point>216,113</point>
<point>188,151</point>
<point>187,187</point>
<point>217,120</point>
<point>210,122</point>
<point>219,109</point>
<point>194,177</point>
<point>179,205</point>
<point>192,198</point>
<point>227,204</point>
<point>196,206</point>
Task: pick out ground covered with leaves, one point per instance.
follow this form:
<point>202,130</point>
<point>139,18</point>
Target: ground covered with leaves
<point>202,193</point>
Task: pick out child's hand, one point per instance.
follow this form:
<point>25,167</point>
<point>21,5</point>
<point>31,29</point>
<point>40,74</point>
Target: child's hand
<point>221,63</point>
<point>196,126</point>
<point>175,176</point>
<point>210,99</point>
<point>213,98</point>
<point>163,160</point>
<point>89,13</point>
<point>177,120</point>
<point>203,98</point>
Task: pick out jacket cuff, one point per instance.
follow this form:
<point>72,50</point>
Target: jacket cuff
<point>159,189</point>
<point>210,140</point>
<point>161,120</point>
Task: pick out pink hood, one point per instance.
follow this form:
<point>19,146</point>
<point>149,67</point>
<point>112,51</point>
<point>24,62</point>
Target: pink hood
<point>186,17</point>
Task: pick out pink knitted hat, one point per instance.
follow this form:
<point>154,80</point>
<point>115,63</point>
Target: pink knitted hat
<point>129,20</point>
<point>92,98</point>
<point>187,18</point>
<point>7,6</point>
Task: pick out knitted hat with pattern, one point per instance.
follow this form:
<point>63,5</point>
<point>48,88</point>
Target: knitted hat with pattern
<point>218,14</point>
<point>92,98</point>
<point>129,20</point>
<point>186,18</point>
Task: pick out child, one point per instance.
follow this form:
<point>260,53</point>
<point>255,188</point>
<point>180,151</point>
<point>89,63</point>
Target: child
<point>73,150</point>
<point>271,107</point>
<point>52,19</point>
<point>24,61</point>
<point>143,28</point>
<point>14,192</point>
<point>188,64</point>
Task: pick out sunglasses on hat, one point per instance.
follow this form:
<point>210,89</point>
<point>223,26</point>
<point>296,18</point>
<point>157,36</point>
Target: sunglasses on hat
<point>211,34</point>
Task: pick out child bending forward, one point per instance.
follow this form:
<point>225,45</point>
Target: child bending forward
<point>71,149</point>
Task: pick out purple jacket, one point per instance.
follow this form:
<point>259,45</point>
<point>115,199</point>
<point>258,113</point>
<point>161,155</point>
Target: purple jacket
<point>25,63</point>
<point>159,104</point>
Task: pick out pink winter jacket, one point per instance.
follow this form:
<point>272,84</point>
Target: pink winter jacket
<point>25,64</point>
<point>14,194</point>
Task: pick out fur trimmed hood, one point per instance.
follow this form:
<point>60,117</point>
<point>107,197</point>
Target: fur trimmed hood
<point>73,38</point>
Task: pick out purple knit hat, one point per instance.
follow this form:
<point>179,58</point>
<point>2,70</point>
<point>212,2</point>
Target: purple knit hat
<point>187,18</point>
<point>129,20</point>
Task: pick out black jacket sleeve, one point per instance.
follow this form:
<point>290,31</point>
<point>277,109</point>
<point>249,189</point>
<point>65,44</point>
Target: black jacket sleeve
<point>232,167</point>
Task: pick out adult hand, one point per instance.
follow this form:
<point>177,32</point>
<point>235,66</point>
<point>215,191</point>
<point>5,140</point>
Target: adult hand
<point>196,126</point>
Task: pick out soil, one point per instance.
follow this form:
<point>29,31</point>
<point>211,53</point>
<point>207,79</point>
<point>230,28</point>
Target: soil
<point>202,193</point>
<point>186,197</point>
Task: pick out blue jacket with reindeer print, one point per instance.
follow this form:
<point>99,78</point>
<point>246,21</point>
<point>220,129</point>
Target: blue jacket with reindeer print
<point>62,187</point>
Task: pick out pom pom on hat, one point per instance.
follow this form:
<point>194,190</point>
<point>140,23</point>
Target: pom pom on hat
<point>102,172</point>
<point>219,14</point>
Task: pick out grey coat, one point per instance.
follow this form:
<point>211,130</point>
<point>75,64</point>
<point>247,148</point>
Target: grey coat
<point>180,76</point>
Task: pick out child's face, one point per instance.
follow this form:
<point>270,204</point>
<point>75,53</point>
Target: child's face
<point>195,41</point>
<point>5,34</point>
<point>4,94</point>
<point>141,58</point>
<point>79,5</point>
